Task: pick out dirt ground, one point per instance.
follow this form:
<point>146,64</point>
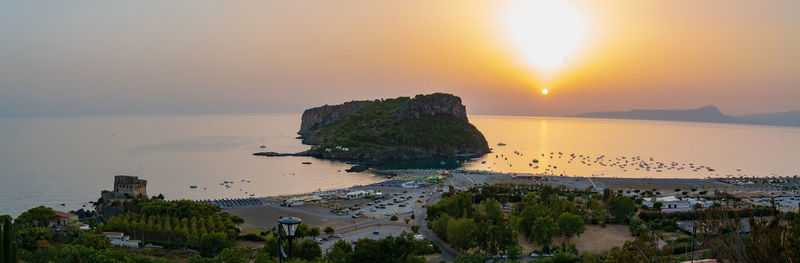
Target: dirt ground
<point>266,217</point>
<point>595,238</point>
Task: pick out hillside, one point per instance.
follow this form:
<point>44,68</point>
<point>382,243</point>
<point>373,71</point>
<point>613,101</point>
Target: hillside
<point>787,118</point>
<point>404,128</point>
<point>702,114</point>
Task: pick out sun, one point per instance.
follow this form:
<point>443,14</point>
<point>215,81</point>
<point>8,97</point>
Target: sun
<point>545,91</point>
<point>545,33</point>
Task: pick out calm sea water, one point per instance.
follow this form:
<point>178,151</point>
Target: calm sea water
<point>50,161</point>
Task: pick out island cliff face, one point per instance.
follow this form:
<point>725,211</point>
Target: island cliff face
<point>318,117</point>
<point>426,126</point>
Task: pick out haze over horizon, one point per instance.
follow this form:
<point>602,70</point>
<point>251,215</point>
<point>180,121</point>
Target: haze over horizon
<point>99,58</point>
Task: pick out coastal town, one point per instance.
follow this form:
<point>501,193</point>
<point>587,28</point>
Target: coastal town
<point>399,205</point>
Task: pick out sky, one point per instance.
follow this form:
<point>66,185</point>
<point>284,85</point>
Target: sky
<point>69,58</point>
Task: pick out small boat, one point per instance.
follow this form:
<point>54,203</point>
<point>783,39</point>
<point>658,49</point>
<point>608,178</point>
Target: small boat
<point>306,162</point>
<point>193,186</point>
<point>262,147</point>
<point>501,144</point>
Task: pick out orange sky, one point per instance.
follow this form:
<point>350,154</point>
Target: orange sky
<point>99,57</point>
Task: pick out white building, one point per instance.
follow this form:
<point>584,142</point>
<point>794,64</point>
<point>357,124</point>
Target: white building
<point>358,194</point>
<point>675,204</point>
<point>669,204</point>
<point>119,239</point>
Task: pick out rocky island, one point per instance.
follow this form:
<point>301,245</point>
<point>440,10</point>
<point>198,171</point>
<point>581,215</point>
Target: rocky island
<point>398,129</point>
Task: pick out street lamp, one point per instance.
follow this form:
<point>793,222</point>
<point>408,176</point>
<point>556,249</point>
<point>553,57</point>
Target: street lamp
<point>289,227</point>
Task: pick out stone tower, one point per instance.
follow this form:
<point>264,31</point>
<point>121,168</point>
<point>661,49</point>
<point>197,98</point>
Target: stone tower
<point>130,185</point>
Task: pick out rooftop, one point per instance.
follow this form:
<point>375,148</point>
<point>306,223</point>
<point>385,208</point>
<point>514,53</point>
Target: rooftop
<point>63,214</point>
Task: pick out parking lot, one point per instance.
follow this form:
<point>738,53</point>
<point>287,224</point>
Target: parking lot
<point>399,204</point>
<point>383,231</point>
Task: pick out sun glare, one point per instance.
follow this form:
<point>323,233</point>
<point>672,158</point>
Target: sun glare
<point>544,32</point>
<point>545,91</point>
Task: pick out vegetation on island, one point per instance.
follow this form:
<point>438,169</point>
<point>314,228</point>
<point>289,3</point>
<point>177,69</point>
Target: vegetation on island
<point>376,127</point>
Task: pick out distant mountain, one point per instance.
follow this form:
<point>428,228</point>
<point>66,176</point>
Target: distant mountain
<point>708,113</point>
<point>787,118</point>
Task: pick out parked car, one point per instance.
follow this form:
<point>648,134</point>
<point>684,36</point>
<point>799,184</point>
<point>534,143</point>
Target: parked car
<point>537,255</point>
<point>376,233</point>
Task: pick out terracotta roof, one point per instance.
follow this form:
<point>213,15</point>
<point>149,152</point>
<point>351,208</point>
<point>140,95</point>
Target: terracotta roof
<point>63,214</point>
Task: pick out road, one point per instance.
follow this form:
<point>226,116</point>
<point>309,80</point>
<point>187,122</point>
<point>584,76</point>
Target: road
<point>448,253</point>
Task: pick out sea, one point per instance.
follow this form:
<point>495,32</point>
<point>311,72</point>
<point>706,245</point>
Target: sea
<point>65,162</point>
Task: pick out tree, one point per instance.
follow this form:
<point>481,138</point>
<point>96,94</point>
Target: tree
<point>570,225</point>
<point>92,240</point>
<point>28,237</point>
<point>543,230</point>
<point>329,230</point>
<point>546,192</point>
<point>657,206</point>
<point>415,229</point>
<point>261,255</point>
<point>471,258</point>
<point>314,232</point>
<point>340,252</point>
<point>37,216</point>
<point>211,244</point>
<point>8,246</point>
<point>309,250</point>
<point>302,231</point>
<point>461,233</point>
<point>621,207</point>
<point>439,225</point>
<point>492,210</point>
<point>400,249</point>
<point>607,193</point>
<point>234,254</point>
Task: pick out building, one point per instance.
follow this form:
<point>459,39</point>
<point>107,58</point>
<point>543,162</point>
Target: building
<point>125,185</point>
<point>63,219</point>
<point>675,204</point>
<point>669,204</point>
<point>119,239</point>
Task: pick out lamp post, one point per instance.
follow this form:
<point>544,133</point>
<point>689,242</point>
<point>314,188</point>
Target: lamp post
<point>289,227</point>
